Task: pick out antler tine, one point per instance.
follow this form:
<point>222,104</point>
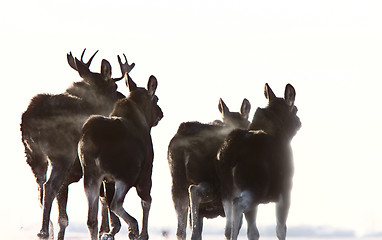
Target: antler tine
<point>125,67</point>
<point>71,61</point>
<point>82,55</point>
<point>90,60</point>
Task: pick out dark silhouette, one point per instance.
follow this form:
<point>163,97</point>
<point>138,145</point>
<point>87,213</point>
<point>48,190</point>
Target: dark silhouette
<point>256,165</point>
<point>191,158</point>
<point>118,149</point>
<point>51,128</point>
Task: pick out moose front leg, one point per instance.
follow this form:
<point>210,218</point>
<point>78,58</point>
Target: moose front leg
<point>282,210</point>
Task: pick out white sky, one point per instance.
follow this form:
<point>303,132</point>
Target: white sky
<point>329,50</point>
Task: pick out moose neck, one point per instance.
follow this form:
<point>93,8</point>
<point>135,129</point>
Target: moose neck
<point>95,100</point>
<point>266,120</point>
<point>130,110</point>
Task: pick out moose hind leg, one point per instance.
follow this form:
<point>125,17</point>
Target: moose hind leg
<point>39,167</point>
<point>181,203</point>
<point>252,231</point>
<point>92,185</point>
<point>51,187</point>
<point>227,205</point>
<point>105,228</point>
<point>146,205</point>
<point>144,193</point>
<point>240,205</point>
<point>63,221</point>
<point>282,209</point>
<point>198,193</point>
<point>121,190</point>
<point>108,231</point>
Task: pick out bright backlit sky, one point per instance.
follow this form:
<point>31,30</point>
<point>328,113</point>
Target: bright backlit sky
<point>329,50</point>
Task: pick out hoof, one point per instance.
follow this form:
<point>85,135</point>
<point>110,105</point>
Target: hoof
<point>144,237</point>
<point>43,235</point>
<point>106,236</point>
<point>134,234</point>
<point>46,235</point>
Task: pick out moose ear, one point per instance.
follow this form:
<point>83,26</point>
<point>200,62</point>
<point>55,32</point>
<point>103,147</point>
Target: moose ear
<point>222,107</point>
<point>130,83</point>
<point>290,94</point>
<point>152,85</point>
<point>82,69</point>
<point>269,93</point>
<point>105,69</point>
<point>245,108</point>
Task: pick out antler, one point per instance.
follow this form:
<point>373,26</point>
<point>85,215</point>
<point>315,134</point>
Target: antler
<point>72,63</point>
<point>125,67</point>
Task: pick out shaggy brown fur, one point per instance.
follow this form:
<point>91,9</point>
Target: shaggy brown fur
<point>191,158</point>
<point>51,128</point>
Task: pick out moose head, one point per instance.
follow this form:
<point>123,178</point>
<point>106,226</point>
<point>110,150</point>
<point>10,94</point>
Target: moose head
<point>279,118</point>
<point>235,119</point>
<point>146,100</point>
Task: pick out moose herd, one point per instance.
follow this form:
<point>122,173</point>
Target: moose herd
<point>223,168</point>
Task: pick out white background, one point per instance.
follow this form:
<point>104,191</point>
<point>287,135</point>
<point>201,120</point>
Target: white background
<point>330,51</point>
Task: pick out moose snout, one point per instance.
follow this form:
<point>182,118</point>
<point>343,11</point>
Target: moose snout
<point>298,123</point>
<point>159,116</point>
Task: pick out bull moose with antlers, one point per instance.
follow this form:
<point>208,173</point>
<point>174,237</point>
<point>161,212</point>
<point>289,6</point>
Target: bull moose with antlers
<point>51,128</point>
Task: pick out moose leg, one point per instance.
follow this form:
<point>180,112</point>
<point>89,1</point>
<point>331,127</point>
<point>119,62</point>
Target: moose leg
<point>240,205</point>
<point>105,228</point>
<point>106,196</point>
<point>227,205</point>
<point>121,190</point>
<point>62,200</point>
<point>282,209</point>
<point>195,199</point>
<point>51,187</point>
<point>39,166</point>
<point>92,185</point>
<point>252,231</point>
<point>181,203</point>
<point>114,220</point>
<point>115,223</point>
<point>144,194</point>
<point>198,193</point>
<point>228,210</point>
<point>181,208</point>
<point>146,205</point>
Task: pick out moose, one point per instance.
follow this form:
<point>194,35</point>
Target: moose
<point>119,150</point>
<point>51,128</point>
<point>191,158</point>
<point>256,165</point>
